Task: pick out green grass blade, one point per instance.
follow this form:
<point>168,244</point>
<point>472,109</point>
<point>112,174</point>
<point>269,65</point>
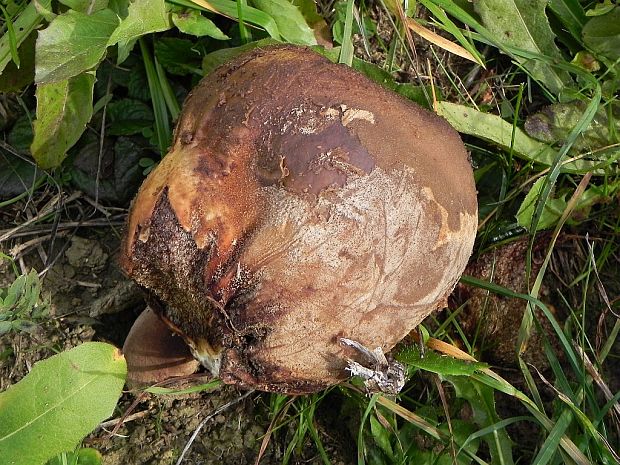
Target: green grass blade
<point>360,433</point>
<point>346,51</point>
<point>168,94</point>
<point>245,34</point>
<point>449,26</point>
<point>160,109</point>
<point>12,37</point>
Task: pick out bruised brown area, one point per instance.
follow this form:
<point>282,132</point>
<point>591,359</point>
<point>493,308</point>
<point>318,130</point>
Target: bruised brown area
<point>300,203</point>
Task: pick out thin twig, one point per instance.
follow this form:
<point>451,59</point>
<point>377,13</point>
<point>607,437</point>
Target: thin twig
<point>206,419</point>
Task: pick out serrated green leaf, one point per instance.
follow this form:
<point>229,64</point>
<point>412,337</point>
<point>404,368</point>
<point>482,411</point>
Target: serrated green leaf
<point>602,34</point>
<point>128,116</point>
<point>523,24</point>
<point>143,17</point>
<point>123,176</point>
<point>193,23</point>
<point>178,56</point>
<point>601,8</point>
<point>59,402</point>
<point>291,23</point>
<point>74,42</point>
<point>63,109</point>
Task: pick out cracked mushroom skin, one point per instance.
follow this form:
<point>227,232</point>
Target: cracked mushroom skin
<point>300,203</point>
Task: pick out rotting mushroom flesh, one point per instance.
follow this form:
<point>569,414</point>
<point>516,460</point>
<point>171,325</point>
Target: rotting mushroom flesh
<point>301,205</point>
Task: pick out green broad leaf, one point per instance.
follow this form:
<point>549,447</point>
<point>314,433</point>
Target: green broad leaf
<point>193,23</point>
<point>523,24</point>
<point>308,9</point>
<point>481,399</point>
<point>494,129</point>
<point>143,17</point>
<point>291,23</point>
<point>24,25</point>
<point>63,109</point>
<point>59,402</point>
<point>86,6</point>
<point>381,436</point>
<point>571,14</point>
<point>74,42</point>
<point>602,34</point>
<point>436,363</point>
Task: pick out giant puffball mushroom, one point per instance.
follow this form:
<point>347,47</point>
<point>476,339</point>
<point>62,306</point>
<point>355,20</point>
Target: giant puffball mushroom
<point>300,204</point>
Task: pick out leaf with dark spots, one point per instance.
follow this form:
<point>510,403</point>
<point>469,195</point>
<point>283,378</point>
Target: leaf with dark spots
<point>555,122</point>
<point>63,110</point>
<point>73,43</point>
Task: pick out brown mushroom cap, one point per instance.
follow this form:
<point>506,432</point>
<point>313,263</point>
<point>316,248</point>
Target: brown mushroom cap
<point>300,203</point>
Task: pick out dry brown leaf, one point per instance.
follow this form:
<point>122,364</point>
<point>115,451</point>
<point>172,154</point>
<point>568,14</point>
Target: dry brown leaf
<point>442,42</point>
